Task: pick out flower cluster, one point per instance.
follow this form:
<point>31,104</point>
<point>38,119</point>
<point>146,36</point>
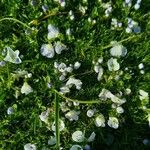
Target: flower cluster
<point>133,26</point>
<point>115,24</point>
<point>98,68</point>
<point>48,50</point>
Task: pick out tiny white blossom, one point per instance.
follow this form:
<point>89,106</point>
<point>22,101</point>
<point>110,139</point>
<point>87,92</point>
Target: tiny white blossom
<point>120,110</point>
<point>72,17</point>
<point>10,110</point>
<point>72,115</point>
<point>76,147</point>
<point>47,50</point>
<point>77,65</point>
<point>44,116</point>
<point>62,67</point>
<point>68,31</point>
<point>29,146</point>
<point>113,65</point>
<point>100,60</point>
<point>99,77</point>
<point>62,3</point>
<point>128,30</point>
<point>69,69</point>
<point>62,78</point>
<point>141,66</point>
<point>56,65</point>
<point>146,141</point>
<point>104,94</point>
<point>148,119</point>
<point>100,121</point>
<point>61,125</point>
<point>52,140</point>
<point>72,81</point>
<point>59,47</point>
<point>143,95</point>
<point>64,90</point>
<point>142,71</point>
<point>26,88</point>
<point>87,147</point>
<point>92,137</point>
<point>118,51</point>
<point>90,113</point>
<point>128,91</point>
<point>76,103</point>
<point>78,136</point>
<point>53,31</point>
<point>96,68</point>
<point>12,56</point>
<point>113,122</point>
<point>2,63</point>
<point>136,6</point>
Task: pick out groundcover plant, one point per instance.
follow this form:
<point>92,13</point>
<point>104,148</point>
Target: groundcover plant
<point>74,74</point>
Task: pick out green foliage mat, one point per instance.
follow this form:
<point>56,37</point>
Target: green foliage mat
<point>24,27</point>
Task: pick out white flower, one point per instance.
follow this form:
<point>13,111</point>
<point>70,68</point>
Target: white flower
<point>68,31</point>
<point>76,147</point>
<point>118,50</point>
<point>53,31</point>
<point>120,110</point>
<point>62,3</point>
<point>59,47</point>
<point>96,68</point>
<point>148,119</point>
<point>143,95</point>
<point>136,6</point>
<point>64,90</point>
<point>104,94</point>
<point>62,67</point>
<point>113,122</point>
<point>100,60</point>
<point>142,71</point>
<point>87,147</point>
<point>26,89</point>
<point>72,81</point>
<point>146,141</point>
<point>90,113</point>
<point>141,66</point>
<point>72,115</point>
<point>100,121</point>
<point>113,65</point>
<point>47,50</point>
<point>52,140</point>
<point>99,77</point>
<point>128,30</point>
<point>61,125</point>
<point>92,137</point>
<point>78,136</point>
<point>29,146</point>
<point>44,116</point>
<point>10,110</point>
<point>62,78</point>
<point>128,91</point>
<point>2,63</point>
<point>69,69</point>
<point>12,56</point>
<point>76,103</point>
<point>77,65</point>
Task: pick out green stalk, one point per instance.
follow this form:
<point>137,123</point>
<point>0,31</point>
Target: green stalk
<point>16,20</point>
<point>57,122</point>
<point>76,100</point>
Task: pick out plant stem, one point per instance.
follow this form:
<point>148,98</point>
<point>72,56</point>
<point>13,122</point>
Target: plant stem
<point>16,20</point>
<point>76,100</point>
<point>57,121</point>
